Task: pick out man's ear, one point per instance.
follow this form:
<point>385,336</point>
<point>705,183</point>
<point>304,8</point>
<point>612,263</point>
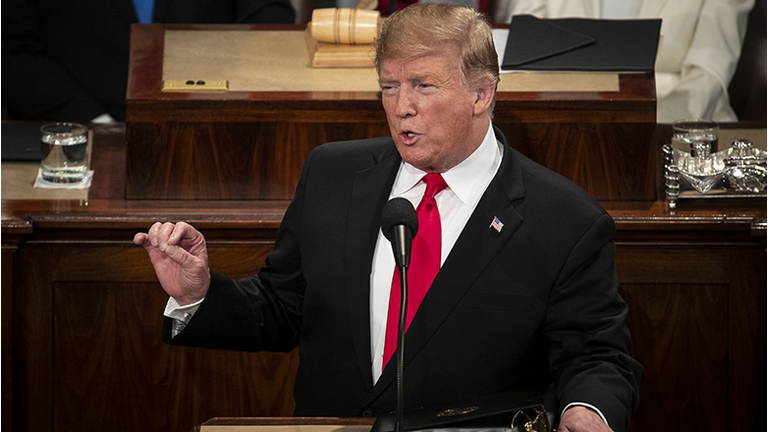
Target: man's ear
<point>484,99</point>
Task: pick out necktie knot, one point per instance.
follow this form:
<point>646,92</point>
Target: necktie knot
<point>435,183</point>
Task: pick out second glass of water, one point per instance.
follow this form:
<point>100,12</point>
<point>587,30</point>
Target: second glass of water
<point>64,152</point>
<point>695,135</point>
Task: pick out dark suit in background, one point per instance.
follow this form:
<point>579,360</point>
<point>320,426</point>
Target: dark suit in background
<point>537,301</point>
<point>68,59</point>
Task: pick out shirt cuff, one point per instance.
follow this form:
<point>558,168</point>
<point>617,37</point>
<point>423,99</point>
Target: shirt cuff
<point>584,404</point>
<point>182,313</point>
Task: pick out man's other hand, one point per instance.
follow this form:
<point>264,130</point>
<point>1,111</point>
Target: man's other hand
<point>582,419</point>
<point>180,258</point>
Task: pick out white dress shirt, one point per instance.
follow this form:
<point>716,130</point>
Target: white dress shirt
<point>467,182</point>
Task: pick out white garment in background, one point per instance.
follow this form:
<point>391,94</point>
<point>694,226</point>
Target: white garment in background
<point>700,47</point>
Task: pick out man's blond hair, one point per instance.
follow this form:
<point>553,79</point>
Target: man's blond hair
<point>423,29</point>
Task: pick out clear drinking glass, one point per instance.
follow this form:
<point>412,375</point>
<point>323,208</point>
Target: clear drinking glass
<point>695,134</point>
<point>64,152</point>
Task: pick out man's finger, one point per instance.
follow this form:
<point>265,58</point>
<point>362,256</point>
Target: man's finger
<point>177,254</point>
<point>154,233</point>
<point>182,230</point>
<point>166,230</point>
<point>140,238</point>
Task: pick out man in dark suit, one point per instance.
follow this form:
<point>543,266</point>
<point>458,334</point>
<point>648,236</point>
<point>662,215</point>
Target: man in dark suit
<point>67,60</point>
<point>526,293</point>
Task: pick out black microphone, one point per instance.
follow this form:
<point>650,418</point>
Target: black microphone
<point>399,224</point>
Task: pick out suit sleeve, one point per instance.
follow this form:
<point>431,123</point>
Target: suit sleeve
<point>590,344</point>
<point>258,313</point>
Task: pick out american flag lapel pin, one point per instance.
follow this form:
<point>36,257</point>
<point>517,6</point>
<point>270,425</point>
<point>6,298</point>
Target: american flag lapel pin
<point>496,224</point>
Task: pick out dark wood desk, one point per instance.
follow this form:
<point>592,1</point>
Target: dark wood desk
<point>82,312</point>
<point>250,144</point>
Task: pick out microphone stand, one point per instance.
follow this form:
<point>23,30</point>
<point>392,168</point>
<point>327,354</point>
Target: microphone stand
<point>401,347</point>
<point>400,225</point>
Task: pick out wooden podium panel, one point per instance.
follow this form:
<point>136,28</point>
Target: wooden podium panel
<point>82,310</point>
<point>249,143</point>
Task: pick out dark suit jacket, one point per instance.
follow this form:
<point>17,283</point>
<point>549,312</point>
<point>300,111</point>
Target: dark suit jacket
<point>67,60</point>
<point>535,302</point>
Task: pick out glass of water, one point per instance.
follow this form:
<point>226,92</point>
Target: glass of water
<point>695,136</point>
<point>64,152</point>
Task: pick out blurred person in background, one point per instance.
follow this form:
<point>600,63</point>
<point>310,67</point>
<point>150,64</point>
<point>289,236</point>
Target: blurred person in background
<point>67,60</point>
<point>699,49</point>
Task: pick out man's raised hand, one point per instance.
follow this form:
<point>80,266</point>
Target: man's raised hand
<point>180,258</point>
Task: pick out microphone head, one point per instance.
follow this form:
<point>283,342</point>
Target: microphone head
<point>398,211</point>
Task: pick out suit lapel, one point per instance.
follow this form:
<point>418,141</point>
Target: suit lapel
<point>475,248</point>
<point>371,188</point>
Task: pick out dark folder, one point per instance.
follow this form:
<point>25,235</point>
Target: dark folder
<point>580,44</point>
<point>20,141</point>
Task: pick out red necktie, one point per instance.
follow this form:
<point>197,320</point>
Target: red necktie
<point>425,263</point>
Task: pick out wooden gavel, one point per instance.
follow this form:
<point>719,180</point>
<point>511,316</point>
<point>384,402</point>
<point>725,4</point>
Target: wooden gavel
<point>345,26</point>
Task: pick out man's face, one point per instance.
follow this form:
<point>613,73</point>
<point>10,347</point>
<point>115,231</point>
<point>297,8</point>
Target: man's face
<point>433,118</point>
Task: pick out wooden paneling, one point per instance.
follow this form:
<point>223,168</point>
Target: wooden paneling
<point>117,368</point>
<point>696,293</point>
<point>263,161</point>
<point>746,338</point>
<point>589,153</point>
<point>680,336</point>
<point>256,161</point>
<point>89,352</point>
<point>13,234</point>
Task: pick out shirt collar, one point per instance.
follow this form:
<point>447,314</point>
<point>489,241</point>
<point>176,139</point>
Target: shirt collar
<point>468,179</point>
